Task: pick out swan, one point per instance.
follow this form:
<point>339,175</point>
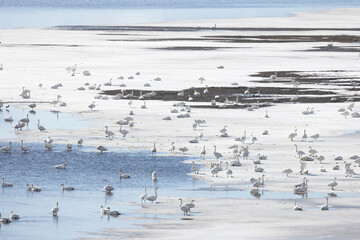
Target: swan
<point>217,154</point>
<point>108,133</point>
<point>258,169</point>
<point>297,207</point>
<point>293,135</point>
<point>257,184</point>
<point>25,120</point>
<point>153,149</point>
<point>307,111</point>
<point>315,137</point>
<point>143,196</point>
<point>200,135</point>
<point>124,132</point>
<point>183,149</point>
<point>325,206</point>
<point>194,140</point>
<point>274,76</point>
<point>41,128</point>
<point>68,188</point>
<point>154,176</point>
<point>190,205</point>
<point>152,198</point>
<point>32,106</point>
<point>243,138</point>
<point>92,106</point>
<point>312,151</point>
<point>196,93</point>
<point>124,175</point>
<point>9,119</point>
<point>68,147</point>
<point>112,213</point>
<point>80,142</point>
<point>61,166</point>
<point>214,171</point>
<point>287,171</point>
<point>236,163</point>
<point>206,90</point>
<point>23,148</point>
<point>144,105</point>
<point>35,189</point>
<point>185,209</point>
<point>103,211</point>
<point>4,220</point>
<point>13,216</point>
<point>301,187</point>
<point>190,98</point>
<point>223,130</point>
<point>203,153</point>
<point>101,149</point>
<point>304,136</point>
<point>172,147</point>
<point>181,94</point>
<point>108,83</point>
<point>28,188</point>
<point>49,146</point>
<point>333,184</point>
<point>228,171</point>
<point>55,210</point>
<point>6,184</point>
<point>194,168</point>
<point>107,187</point>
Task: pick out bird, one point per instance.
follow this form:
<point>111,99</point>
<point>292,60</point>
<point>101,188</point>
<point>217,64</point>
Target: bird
<point>124,132</point>
<point>223,130</point>
<point>333,184</point>
<point>68,147</point>
<point>195,140</point>
<point>315,137</point>
<point>61,166</point>
<point>108,83</point>
<point>35,189</point>
<point>228,172</point>
<point>203,153</point>
<point>152,198</point>
<point>4,220</point>
<point>124,175</point>
<point>107,188</point>
<point>153,149</point>
<point>92,106</point>
<point>297,207</point>
<point>7,148</point>
<point>172,147</point>
<point>101,149</point>
<point>80,141</point>
<point>190,205</point>
<point>41,128</point>
<point>13,216</point>
<point>190,98</point>
<point>25,120</point>
<point>258,169</point>
<point>196,93</point>
<point>194,168</point>
<point>214,171</point>
<point>6,184</point>
<point>304,136</point>
<point>183,149</point>
<point>154,176</point>
<point>293,135</point>
<point>287,171</point>
<point>68,188</point>
<point>103,210</point>
<point>108,133</point>
<point>325,206</point>
<point>49,146</point>
<point>9,119</point>
<point>143,196</point>
<point>23,148</point>
<point>217,154</point>
<point>55,210</point>
<point>112,213</point>
<point>185,209</point>
<point>274,76</point>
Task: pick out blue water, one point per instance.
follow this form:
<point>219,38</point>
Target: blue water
<point>46,13</point>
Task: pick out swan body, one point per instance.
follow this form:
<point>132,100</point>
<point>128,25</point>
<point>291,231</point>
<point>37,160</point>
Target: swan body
<point>41,128</point>
<point>185,209</point>
<point>258,169</point>
<point>153,149</point>
<point>7,148</point>
<point>14,216</point>
<point>61,166</point>
<point>228,171</point>
<point>152,198</point>
<point>124,175</point>
<point>124,132</point>
<point>35,189</point>
<point>6,184</point>
<point>112,213</point>
<point>9,119</point>
<point>25,120</point>
<point>23,148</point>
<point>154,176</point>
<point>108,133</point>
<point>183,149</point>
<point>214,171</point>
<point>92,106</point>
<point>293,135</point>
<point>143,196</point>
<point>190,205</point>
<point>55,210</point>
<point>333,184</point>
<point>4,220</point>
<point>325,206</point>
<point>297,207</point>
<point>107,188</point>
<point>80,142</point>
<point>194,168</point>
<point>217,154</point>
<point>68,188</point>
<point>101,149</point>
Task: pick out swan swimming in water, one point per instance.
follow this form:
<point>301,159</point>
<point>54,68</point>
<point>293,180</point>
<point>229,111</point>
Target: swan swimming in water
<point>68,188</point>
<point>23,148</point>
<point>6,184</point>
<point>61,166</point>
<point>154,176</point>
<point>7,148</point>
<point>124,175</point>
<point>14,216</point>
<point>4,220</point>
<point>107,188</point>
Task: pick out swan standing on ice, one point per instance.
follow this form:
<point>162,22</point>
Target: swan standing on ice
<point>325,206</point>
<point>6,184</point>
<point>333,184</point>
<point>23,148</point>
<point>153,149</point>
<point>68,188</point>
<point>108,133</point>
<point>41,128</point>
<point>185,209</point>
<point>101,149</point>
<point>154,176</point>
<point>217,154</point>
<point>194,168</point>
<point>13,216</point>
<point>7,148</point>
<point>61,166</point>
<point>228,171</point>
<point>172,147</point>
<point>80,141</point>
<point>92,106</point>
<point>287,171</point>
<point>304,136</point>
<point>55,210</point>
<point>152,198</point>
<point>124,132</point>
<point>183,149</point>
<point>124,175</point>
<point>293,135</point>
<point>107,187</point>
<point>203,153</point>
<point>297,207</point>
<point>143,196</point>
<point>190,205</point>
<point>25,120</point>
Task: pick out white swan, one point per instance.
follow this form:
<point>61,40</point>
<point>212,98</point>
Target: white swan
<point>41,128</point>
<point>23,148</point>
<point>206,90</point>
<point>228,172</point>
<point>61,166</point>
<point>103,211</point>
<point>35,189</point>
<point>333,184</point>
<point>297,207</point>
<point>7,148</point>
<point>25,120</point>
<point>68,147</point>
<point>258,169</point>
<point>293,135</point>
<point>124,132</point>
<point>152,198</point>
<point>304,136</point>
<point>92,106</point>
<point>194,168</point>
<point>108,83</point>
<point>315,137</point>
<point>101,149</point>
<point>217,154</point>
<point>113,213</point>
<point>80,142</point>
<point>107,188</point>
<point>185,209</point>
<point>236,163</point>
<point>124,175</point>
<point>154,176</point>
<point>6,184</point>
<point>190,205</point>
<point>144,105</point>
<point>214,171</point>
<point>203,153</point>
<point>4,220</point>
<point>143,196</point>
<point>13,216</point>
<point>325,206</point>
<point>48,146</point>
<point>55,210</point>
<point>190,98</point>
<point>287,171</point>
<point>223,130</point>
<point>9,119</point>
<point>195,140</point>
<point>153,149</point>
<point>108,133</point>
<point>68,188</point>
<point>172,147</point>
<point>183,149</point>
